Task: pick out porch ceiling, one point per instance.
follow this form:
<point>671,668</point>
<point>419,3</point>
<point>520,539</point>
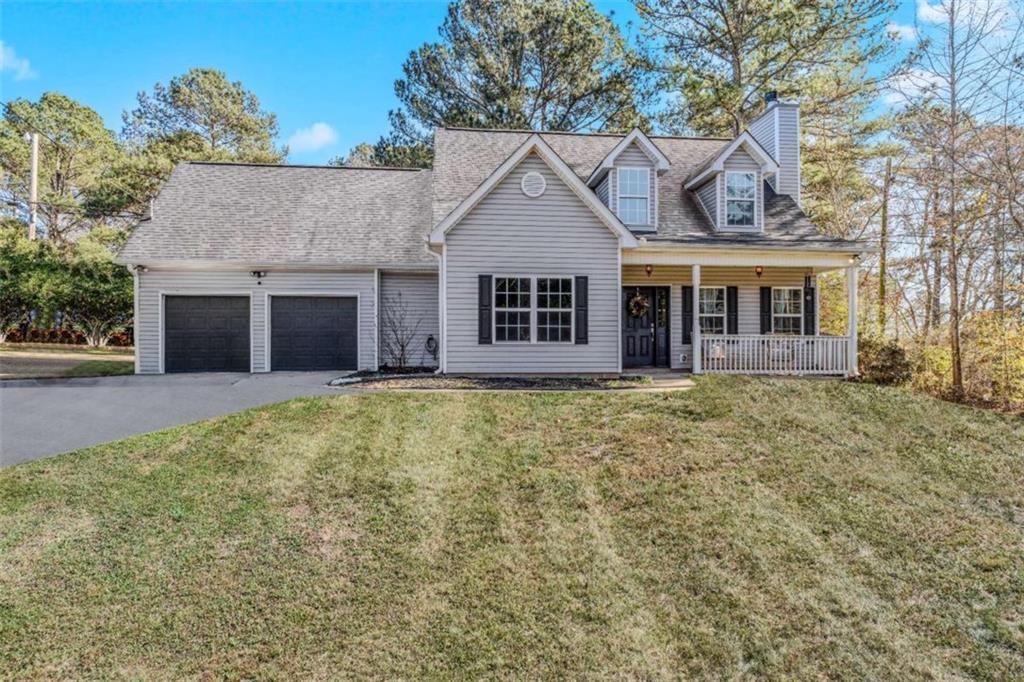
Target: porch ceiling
<point>819,261</point>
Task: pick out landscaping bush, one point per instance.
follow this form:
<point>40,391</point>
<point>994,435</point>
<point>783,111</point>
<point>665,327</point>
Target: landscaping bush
<point>71,294</point>
<point>883,361</point>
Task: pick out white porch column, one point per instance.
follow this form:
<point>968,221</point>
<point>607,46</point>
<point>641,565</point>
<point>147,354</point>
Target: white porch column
<point>695,335</point>
<point>851,320</point>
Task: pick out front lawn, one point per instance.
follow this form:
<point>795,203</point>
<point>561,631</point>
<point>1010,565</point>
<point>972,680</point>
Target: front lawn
<point>101,368</point>
<point>744,529</point>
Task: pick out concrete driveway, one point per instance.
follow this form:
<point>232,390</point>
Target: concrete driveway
<point>51,416</point>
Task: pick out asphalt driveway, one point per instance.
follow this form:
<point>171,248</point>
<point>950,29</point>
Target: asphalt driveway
<point>51,416</point>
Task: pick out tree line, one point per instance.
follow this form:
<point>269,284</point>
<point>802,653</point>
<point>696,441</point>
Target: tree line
<point>918,150</point>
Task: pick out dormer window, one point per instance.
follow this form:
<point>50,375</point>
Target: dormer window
<point>740,198</point>
<point>634,196</point>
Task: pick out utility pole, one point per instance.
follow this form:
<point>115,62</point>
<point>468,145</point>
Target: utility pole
<point>884,245</point>
<point>33,186</point>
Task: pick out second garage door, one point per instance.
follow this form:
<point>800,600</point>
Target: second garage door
<point>313,333</point>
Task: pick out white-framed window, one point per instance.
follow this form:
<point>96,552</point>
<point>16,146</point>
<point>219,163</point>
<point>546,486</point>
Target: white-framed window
<point>787,310</point>
<point>532,309</point>
<point>634,195</point>
<point>740,198</point>
<point>712,310</point>
<point>512,309</point>
<point>554,309</point>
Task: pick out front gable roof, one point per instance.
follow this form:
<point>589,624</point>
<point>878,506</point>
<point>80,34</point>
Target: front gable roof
<point>660,161</point>
<point>716,164</point>
<point>534,144</point>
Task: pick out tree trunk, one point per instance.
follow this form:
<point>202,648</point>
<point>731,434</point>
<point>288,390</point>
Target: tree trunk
<point>954,275</point>
<point>883,246</point>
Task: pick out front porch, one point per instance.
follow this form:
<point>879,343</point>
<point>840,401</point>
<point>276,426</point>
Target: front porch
<point>738,319</point>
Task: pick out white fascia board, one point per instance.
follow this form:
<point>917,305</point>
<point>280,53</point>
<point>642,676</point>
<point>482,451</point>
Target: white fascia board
<point>661,162</point>
<point>535,144</point>
<point>291,266</point>
<point>750,145</point>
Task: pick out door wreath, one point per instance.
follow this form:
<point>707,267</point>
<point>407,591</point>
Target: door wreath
<point>638,305</point>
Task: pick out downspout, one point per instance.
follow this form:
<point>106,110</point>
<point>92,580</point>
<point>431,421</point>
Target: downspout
<point>441,312</point>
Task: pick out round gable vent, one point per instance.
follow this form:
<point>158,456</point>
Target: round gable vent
<point>533,184</point>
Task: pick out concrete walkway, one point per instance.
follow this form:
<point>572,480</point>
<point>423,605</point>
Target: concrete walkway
<point>49,416</point>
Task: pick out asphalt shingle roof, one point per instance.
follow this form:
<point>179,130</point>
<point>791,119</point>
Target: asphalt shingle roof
<point>463,159</point>
<point>312,215</point>
<point>323,215</point>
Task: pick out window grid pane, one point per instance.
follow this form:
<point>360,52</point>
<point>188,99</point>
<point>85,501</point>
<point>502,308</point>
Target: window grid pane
<point>633,211</point>
<point>787,310</point>
<point>512,309</point>
<point>739,212</point>
<point>711,309</point>
<point>554,309</point>
<point>633,182</point>
<point>741,186</point>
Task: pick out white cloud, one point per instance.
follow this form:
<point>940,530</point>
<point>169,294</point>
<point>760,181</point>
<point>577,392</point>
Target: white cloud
<point>933,14</point>
<point>968,12</point>
<point>903,32</point>
<point>313,138</point>
<point>19,66</point>
<point>910,84</point>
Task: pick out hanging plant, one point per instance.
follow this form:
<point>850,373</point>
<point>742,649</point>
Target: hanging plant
<point>638,305</point>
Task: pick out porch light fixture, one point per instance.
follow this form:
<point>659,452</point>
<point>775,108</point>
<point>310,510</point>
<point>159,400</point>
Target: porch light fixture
<point>649,269</point>
<point>259,275</point>
<point>759,270</point>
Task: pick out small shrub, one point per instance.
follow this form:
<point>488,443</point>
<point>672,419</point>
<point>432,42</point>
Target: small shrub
<point>883,361</point>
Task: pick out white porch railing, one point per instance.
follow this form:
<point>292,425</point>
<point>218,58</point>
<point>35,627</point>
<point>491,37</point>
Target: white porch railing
<point>774,354</point>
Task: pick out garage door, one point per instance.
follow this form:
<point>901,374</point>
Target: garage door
<point>206,334</point>
<point>313,332</point>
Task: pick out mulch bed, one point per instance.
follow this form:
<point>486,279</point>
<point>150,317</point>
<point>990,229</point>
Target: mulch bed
<point>504,383</point>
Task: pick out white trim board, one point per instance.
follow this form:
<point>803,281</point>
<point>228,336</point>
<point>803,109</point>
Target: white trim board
<point>752,147</point>
<point>535,144</point>
<point>660,161</point>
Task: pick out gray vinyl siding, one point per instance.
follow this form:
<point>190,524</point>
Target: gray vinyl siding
<point>763,130</point>
<point>748,295</point>
<point>419,298</point>
<point>789,151</point>
<point>240,283</point>
<point>635,157</point>
<point>708,196</point>
<point>740,160</point>
<point>555,234</point>
<point>602,190</point>
<point>778,131</point>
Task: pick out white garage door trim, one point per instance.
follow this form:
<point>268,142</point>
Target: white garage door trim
<point>164,293</point>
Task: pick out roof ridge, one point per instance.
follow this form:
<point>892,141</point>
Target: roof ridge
<point>302,165</point>
<point>578,134</point>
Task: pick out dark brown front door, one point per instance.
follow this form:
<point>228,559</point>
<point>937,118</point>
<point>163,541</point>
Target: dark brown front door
<point>645,339</point>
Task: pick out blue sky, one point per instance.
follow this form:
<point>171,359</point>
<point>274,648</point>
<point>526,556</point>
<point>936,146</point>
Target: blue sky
<point>311,63</point>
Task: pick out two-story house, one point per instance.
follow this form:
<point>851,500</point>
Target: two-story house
<point>518,252</point>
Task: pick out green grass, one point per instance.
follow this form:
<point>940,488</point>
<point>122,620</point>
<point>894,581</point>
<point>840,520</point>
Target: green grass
<point>743,529</point>
<point>101,368</point>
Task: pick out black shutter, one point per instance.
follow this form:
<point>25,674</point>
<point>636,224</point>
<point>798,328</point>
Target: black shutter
<point>809,307</point>
<point>484,309</point>
<point>766,310</point>
<point>732,318</point>
<point>582,302</point>
<point>687,309</point>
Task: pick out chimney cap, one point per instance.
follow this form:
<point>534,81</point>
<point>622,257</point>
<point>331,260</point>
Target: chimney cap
<point>771,96</point>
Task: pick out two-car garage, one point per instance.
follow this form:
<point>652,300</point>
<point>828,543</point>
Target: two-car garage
<point>216,333</point>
